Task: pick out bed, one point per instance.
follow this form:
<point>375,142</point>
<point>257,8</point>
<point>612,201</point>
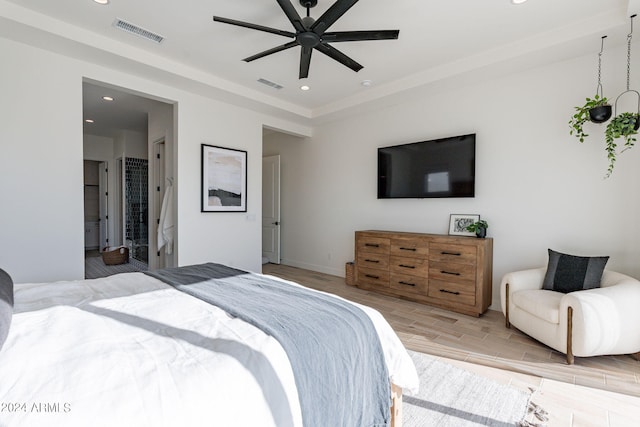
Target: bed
<point>148,350</point>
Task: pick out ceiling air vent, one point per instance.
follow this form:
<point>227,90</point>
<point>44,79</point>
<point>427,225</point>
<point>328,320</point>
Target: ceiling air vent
<point>138,31</point>
<point>270,84</point>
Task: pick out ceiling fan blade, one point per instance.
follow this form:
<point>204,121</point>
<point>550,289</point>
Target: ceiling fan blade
<point>331,15</point>
<point>292,14</point>
<point>270,51</point>
<point>334,53</point>
<point>254,26</point>
<point>352,36</point>
<point>305,61</point>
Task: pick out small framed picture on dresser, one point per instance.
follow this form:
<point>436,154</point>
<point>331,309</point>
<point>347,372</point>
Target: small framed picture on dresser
<point>458,224</point>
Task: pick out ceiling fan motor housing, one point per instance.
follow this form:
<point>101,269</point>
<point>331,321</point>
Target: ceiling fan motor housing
<point>308,39</point>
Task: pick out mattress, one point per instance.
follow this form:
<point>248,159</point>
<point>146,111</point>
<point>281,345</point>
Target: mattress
<point>131,350</point>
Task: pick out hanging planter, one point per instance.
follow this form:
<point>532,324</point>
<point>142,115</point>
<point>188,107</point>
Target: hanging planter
<point>595,110</point>
<point>600,113</point>
<point>624,125</point>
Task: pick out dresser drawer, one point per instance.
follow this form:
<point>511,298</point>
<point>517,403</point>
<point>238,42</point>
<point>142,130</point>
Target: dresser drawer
<point>373,277</point>
<point>407,283</point>
<point>373,260</point>
<point>452,272</point>
<point>373,244</point>
<point>460,293</point>
<point>411,266</point>
<point>415,248</point>
<point>464,254</point>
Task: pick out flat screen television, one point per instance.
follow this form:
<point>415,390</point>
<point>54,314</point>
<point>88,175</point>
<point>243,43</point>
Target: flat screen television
<point>437,168</point>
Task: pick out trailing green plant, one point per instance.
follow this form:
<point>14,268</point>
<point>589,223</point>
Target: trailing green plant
<point>623,125</point>
<point>582,116</point>
<point>480,224</point>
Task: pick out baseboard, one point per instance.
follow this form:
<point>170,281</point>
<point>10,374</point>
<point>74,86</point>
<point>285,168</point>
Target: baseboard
<point>319,268</point>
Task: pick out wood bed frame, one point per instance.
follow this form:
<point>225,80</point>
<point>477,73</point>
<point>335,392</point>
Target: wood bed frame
<point>396,406</point>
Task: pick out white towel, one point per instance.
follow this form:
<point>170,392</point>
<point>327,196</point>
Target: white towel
<point>165,227</point>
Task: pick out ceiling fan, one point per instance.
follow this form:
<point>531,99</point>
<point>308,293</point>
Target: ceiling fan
<point>312,34</point>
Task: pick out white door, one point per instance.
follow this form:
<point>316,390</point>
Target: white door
<point>119,204</point>
<point>160,183</point>
<point>271,208</point>
<point>103,186</point>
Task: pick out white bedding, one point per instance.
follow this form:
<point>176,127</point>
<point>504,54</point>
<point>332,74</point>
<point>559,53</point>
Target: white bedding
<point>129,350</point>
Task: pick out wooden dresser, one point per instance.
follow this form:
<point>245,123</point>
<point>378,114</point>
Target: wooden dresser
<point>451,272</point>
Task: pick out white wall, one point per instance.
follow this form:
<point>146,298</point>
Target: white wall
<point>233,237</point>
<point>99,148</point>
<point>41,220</point>
<point>131,144</point>
<point>40,166</point>
<point>537,186</point>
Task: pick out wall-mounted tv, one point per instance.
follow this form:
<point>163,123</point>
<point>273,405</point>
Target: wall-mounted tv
<point>437,168</point>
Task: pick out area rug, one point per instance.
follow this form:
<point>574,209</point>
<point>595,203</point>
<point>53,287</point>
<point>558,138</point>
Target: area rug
<point>450,396</point>
<point>94,267</point>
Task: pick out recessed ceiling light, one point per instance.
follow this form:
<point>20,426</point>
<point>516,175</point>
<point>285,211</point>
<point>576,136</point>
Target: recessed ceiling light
<point>304,87</point>
<point>366,83</point>
<point>89,120</point>
<point>107,98</point>
<point>101,1</point>
<point>518,1</point>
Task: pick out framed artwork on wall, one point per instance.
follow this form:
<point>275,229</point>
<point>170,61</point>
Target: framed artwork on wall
<point>458,224</point>
<point>224,179</point>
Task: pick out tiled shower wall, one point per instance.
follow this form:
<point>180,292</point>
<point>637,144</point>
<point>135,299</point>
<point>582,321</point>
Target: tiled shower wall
<point>137,207</point>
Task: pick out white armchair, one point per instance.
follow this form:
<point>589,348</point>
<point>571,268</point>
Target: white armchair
<point>592,322</point>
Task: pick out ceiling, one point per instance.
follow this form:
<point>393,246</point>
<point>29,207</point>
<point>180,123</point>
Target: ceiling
<point>438,39</point>
<point>125,110</point>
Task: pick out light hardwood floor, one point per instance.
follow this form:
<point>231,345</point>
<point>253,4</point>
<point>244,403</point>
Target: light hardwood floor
<point>596,391</point>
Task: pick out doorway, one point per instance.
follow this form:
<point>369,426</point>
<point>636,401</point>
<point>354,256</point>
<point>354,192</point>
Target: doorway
<point>93,205</point>
<point>271,209</point>
<point>121,132</point>
<point>282,153</point>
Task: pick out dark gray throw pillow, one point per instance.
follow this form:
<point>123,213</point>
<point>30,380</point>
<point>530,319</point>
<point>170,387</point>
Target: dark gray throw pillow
<point>569,273</point>
<point>6,305</point>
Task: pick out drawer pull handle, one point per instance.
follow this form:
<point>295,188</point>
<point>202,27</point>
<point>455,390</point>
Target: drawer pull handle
<point>407,266</point>
<point>408,249</point>
<point>449,272</point>
<point>451,253</point>
<point>406,283</point>
<point>449,292</point>
<point>372,260</point>
<point>371,276</point>
<point>372,245</point>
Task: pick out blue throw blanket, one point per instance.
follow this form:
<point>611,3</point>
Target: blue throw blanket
<point>333,347</point>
